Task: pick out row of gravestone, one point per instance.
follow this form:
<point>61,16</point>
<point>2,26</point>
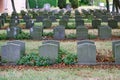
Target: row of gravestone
<point>36,32</point>
<point>12,51</point>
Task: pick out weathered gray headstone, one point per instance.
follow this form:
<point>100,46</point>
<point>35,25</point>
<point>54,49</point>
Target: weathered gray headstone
<point>26,17</point>
<point>86,53</point>
<point>47,23</point>
<point>96,23</point>
<point>82,32</point>
<point>49,51</point>
<point>85,41</point>
<point>14,22</point>
<point>52,18</point>
<point>59,32</point>
<point>117,53</point>
<point>104,18</point>
<point>65,17</point>
<point>104,32</point>
<point>36,32</point>
<point>10,53</point>
<point>21,43</point>
<point>79,22</point>
<point>29,24</point>
<point>12,32</point>
<point>113,46</point>
<point>63,22</point>
<point>112,23</point>
<point>52,42</point>
<point>117,18</point>
<point>39,18</point>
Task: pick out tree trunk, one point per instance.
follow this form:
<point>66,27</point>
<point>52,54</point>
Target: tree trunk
<point>107,5</point>
<point>13,5</point>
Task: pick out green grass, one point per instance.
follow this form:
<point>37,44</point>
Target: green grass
<point>60,74</point>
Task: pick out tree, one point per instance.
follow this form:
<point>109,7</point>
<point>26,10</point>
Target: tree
<point>107,5</point>
<point>13,5</point>
<point>116,5</point>
<point>61,4</point>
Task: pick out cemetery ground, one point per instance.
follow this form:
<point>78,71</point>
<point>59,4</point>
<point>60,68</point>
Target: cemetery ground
<point>62,71</point>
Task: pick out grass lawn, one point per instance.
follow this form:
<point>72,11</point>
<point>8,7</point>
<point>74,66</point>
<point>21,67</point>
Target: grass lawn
<point>61,74</point>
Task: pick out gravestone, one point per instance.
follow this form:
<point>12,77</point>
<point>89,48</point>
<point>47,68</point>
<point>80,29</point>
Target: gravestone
<point>21,43</point>
<point>78,18</point>
<point>104,18</point>
<point>82,32</point>
<point>49,51</point>
<point>86,53</point>
<point>117,18</point>
<point>96,23</point>
<point>59,32</point>
<point>12,32</point>
<point>45,15</point>
<point>0,23</point>
<point>63,23</point>
<point>117,54</point>
<point>85,41</point>
<point>52,18</point>
<point>112,23</point>
<point>52,42</point>
<point>2,20</point>
<point>10,53</point>
<point>47,23</point>
<point>39,19</point>
<point>36,32</point>
<point>26,17</point>
<point>104,32</point>
<point>79,23</point>
<point>65,17</point>
<point>29,24</point>
<point>115,42</point>
<point>14,22</point>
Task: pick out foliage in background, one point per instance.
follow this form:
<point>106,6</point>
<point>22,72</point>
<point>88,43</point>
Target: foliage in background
<point>23,35</point>
<point>61,4</point>
<point>74,3</point>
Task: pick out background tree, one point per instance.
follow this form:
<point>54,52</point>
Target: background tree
<point>107,5</point>
<point>13,5</point>
<point>74,3</point>
<point>61,4</point>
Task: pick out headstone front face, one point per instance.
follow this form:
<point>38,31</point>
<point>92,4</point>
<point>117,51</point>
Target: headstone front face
<point>117,53</point>
<point>36,32</point>
<point>59,32</point>
<point>113,46</point>
<point>52,18</point>
<point>2,20</point>
<point>63,23</point>
<point>80,22</point>
<point>47,23</point>
<point>104,18</point>
<point>104,32</point>
<point>52,42</point>
<point>39,18</point>
<point>78,18</point>
<point>96,23</point>
<point>86,53</point>
<point>26,17</point>
<point>10,53</point>
<point>112,23</point>
<point>12,32</point>
<point>65,17</point>
<point>117,18</point>
<point>14,22</point>
<point>85,41</point>
<point>21,43</point>
<point>49,51</point>
<point>82,32</point>
<point>29,24</point>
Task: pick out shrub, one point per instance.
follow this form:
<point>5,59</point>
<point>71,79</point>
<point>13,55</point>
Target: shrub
<point>70,26</point>
<point>3,36</point>
<point>70,59</point>
<point>23,35</point>
<point>49,34</point>
<point>61,4</point>
<point>92,36</point>
<point>33,59</point>
<point>71,36</point>
<point>66,57</point>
